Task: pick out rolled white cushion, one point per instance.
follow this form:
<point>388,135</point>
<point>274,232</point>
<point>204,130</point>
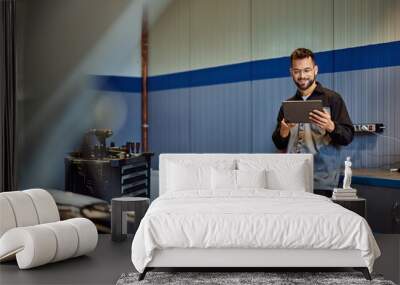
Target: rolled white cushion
<point>7,218</point>
<point>67,240</point>
<point>87,235</point>
<point>41,244</point>
<point>23,208</point>
<point>45,205</point>
<point>26,208</point>
<point>33,246</point>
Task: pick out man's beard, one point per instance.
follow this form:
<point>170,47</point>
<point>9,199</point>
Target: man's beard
<point>305,87</point>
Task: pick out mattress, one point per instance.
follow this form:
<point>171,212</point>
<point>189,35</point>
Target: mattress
<point>251,219</point>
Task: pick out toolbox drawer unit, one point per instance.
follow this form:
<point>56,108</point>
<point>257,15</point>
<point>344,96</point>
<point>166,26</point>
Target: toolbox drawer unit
<point>109,178</point>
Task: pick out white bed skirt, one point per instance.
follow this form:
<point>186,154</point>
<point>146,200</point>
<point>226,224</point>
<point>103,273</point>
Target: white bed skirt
<point>189,257</point>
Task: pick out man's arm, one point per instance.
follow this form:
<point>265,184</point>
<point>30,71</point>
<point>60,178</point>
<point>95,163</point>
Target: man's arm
<point>280,142</point>
<point>344,132</point>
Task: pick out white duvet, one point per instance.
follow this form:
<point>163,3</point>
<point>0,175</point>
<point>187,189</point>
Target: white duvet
<point>250,218</point>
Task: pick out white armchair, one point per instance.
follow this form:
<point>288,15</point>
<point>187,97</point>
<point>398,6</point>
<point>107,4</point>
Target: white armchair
<point>31,230</point>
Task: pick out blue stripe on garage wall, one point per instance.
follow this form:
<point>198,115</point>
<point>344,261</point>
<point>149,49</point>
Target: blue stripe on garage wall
<point>117,83</point>
<point>229,108</point>
<point>356,58</point>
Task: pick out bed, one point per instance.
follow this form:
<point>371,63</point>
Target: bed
<point>247,210</point>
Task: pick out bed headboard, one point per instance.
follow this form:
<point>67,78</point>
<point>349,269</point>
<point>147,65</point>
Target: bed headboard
<point>274,158</point>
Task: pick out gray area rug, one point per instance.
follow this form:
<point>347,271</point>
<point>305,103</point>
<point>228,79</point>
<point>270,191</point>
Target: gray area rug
<point>229,278</point>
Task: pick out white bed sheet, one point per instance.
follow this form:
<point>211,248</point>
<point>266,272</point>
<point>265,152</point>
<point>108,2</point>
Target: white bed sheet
<point>250,218</point>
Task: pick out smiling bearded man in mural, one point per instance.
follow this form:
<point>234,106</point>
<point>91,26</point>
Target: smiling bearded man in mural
<point>329,129</point>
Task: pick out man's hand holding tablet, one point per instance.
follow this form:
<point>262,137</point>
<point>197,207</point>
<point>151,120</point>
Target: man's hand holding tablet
<point>322,120</point>
<point>285,128</point>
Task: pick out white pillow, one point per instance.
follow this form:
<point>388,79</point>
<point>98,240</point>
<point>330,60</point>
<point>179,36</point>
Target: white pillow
<point>183,177</point>
<point>223,179</point>
<point>251,178</point>
<point>236,179</point>
<point>190,174</point>
<point>280,180</point>
<point>282,174</point>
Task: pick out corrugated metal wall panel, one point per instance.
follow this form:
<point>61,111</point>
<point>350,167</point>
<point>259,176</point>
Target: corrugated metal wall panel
<point>267,98</point>
<point>220,32</point>
<point>220,119</point>
<point>169,45</point>
<point>372,96</point>
<point>364,22</point>
<point>278,27</point>
<point>210,33</point>
<point>169,122</point>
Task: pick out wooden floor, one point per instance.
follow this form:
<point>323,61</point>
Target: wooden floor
<point>111,259</point>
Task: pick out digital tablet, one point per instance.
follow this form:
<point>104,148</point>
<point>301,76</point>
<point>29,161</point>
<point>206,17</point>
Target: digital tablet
<point>298,111</point>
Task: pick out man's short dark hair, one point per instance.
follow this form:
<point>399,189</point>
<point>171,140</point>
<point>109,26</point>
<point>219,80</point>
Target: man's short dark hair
<point>301,53</point>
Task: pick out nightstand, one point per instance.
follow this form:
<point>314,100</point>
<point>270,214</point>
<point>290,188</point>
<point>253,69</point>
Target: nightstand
<point>120,208</point>
<point>358,205</point>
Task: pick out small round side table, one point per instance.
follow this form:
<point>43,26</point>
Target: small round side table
<point>120,209</point>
